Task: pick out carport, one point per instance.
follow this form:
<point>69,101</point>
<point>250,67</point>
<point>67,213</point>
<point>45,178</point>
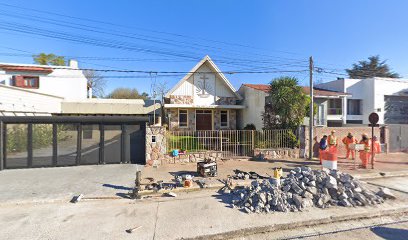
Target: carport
<point>53,141</point>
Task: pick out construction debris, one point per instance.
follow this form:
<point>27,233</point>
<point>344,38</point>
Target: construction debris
<point>130,230</point>
<point>247,175</point>
<point>207,168</point>
<point>171,194</point>
<point>76,199</point>
<point>303,188</point>
<point>385,193</point>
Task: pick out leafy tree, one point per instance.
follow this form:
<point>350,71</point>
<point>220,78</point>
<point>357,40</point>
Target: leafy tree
<point>49,59</point>
<point>286,107</point>
<point>374,67</point>
<point>127,93</point>
<point>96,82</point>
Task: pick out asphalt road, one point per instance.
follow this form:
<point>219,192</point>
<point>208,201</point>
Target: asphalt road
<point>392,228</point>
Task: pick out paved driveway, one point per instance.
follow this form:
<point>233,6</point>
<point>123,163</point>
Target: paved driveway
<point>61,184</point>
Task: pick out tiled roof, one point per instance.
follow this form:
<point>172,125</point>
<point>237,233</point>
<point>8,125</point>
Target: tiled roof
<point>306,90</point>
<point>16,68</point>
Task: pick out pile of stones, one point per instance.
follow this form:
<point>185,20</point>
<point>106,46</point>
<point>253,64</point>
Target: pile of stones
<point>303,188</point>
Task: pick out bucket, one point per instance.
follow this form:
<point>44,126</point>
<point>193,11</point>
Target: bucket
<point>188,183</point>
<point>330,164</point>
<point>277,173</point>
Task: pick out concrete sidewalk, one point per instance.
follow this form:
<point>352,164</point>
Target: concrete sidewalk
<point>202,215</point>
<point>61,184</point>
<point>38,185</point>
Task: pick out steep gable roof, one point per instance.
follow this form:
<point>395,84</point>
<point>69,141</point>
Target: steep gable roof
<point>214,68</point>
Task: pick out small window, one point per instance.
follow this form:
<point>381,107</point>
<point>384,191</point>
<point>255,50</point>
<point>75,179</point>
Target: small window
<point>26,81</point>
<point>183,118</point>
<point>153,139</point>
<point>224,118</point>
<point>354,107</point>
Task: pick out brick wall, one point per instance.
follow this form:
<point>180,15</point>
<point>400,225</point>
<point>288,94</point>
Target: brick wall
<point>341,132</point>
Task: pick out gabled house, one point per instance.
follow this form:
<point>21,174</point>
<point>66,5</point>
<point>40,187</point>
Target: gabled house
<point>204,99</point>
<point>330,110</point>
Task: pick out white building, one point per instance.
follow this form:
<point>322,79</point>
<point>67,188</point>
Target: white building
<point>33,90</point>
<point>204,99</point>
<point>388,97</point>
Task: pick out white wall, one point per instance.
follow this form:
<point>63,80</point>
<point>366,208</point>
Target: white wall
<point>70,84</point>
<point>216,87</point>
<point>388,86</point>
<point>17,101</point>
<point>254,102</point>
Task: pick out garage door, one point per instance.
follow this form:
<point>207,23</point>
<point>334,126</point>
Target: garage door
<point>396,110</point>
<point>28,142</point>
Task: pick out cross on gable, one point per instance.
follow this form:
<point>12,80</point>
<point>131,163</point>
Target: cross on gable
<point>204,83</point>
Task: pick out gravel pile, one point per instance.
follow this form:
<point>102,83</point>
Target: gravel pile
<point>303,188</point>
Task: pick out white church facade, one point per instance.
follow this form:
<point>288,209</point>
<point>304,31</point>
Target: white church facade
<point>204,99</point>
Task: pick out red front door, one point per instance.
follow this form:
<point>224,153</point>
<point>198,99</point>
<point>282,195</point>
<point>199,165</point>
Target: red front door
<point>203,120</point>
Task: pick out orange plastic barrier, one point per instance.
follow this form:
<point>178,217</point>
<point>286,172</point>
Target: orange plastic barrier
<point>331,154</point>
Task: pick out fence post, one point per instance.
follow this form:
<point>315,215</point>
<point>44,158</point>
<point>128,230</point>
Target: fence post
<point>221,140</point>
<point>2,144</point>
<point>253,140</point>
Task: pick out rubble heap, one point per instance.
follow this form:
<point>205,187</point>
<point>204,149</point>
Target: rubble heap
<point>303,188</point>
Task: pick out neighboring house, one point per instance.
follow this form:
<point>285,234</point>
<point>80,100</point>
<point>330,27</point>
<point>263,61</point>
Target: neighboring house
<point>329,107</point>
<point>388,97</point>
<point>202,100</point>
<point>64,81</point>
<point>38,90</point>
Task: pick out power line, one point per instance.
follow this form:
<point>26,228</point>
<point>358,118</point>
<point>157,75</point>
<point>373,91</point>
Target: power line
<point>233,62</point>
<point>143,29</point>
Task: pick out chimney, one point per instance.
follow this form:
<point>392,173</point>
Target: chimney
<point>73,63</point>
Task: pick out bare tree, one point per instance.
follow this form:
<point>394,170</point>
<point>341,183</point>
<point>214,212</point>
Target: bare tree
<point>160,88</point>
<point>96,82</point>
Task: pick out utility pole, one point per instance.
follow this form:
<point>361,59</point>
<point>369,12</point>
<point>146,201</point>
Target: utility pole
<point>311,120</point>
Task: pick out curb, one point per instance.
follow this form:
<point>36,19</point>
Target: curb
<point>387,175</point>
<point>288,226</point>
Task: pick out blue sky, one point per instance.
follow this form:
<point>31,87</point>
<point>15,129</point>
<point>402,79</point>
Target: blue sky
<point>268,36</point>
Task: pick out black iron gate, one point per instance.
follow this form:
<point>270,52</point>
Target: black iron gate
<point>28,142</point>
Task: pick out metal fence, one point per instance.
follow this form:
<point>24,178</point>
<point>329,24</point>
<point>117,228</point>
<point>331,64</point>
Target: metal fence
<point>42,141</point>
<point>230,142</point>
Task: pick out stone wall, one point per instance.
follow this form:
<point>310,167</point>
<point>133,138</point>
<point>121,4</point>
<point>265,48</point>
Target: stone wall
<point>174,120</point>
<point>275,153</point>
<point>226,101</point>
<point>341,132</point>
<point>193,157</point>
<point>155,151</point>
<point>181,99</point>
<point>232,118</point>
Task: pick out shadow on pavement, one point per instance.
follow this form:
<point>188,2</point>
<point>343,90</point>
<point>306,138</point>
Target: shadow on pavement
<point>390,233</point>
<point>117,187</point>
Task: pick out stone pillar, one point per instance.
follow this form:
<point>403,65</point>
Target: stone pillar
<point>156,144</point>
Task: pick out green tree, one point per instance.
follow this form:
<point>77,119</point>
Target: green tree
<point>374,67</point>
<point>49,59</point>
<point>127,93</point>
<point>287,105</point>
